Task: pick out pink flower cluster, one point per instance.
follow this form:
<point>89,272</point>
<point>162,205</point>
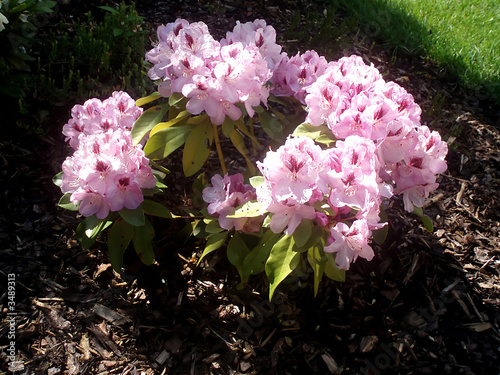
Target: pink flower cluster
<point>352,98</point>
<point>293,75</point>
<point>303,181</point>
<point>224,196</point>
<point>215,76</point>
<point>94,117</point>
<point>106,172</point>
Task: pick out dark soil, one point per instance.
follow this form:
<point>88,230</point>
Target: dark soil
<point>428,303</point>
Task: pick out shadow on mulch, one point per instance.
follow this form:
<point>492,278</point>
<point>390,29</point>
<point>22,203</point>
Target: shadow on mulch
<point>427,303</point>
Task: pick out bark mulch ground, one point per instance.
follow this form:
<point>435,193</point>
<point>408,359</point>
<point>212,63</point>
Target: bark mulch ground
<point>428,303</point>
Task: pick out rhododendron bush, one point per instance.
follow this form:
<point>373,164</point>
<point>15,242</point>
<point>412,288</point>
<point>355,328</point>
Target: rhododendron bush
<point>354,142</point>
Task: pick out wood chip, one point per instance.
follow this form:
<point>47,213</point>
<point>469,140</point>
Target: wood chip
<point>110,315</point>
<point>479,327</point>
<point>333,367</point>
<point>104,339</point>
<point>367,343</point>
<point>72,365</point>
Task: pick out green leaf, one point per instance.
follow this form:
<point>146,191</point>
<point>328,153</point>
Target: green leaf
<point>143,242</point>
<point>237,250</point>
<point>302,233</point>
<point>199,184</point>
<point>117,31</point>
<point>257,180</point>
<point>271,125</point>
<point>166,141</point>
<point>213,225</point>
<point>155,209</point>
<point>148,99</point>
<point>331,269</point>
<point>19,8</point>
<point>109,9</point>
<point>248,209</point>
<point>317,234</point>
<point>282,260</point>
<point>88,230</point>
<point>66,203</point>
<point>196,149</point>
<point>227,126</point>
<point>238,142</point>
<point>148,120</point>
<point>214,242</point>
<point>317,259</point>
<point>255,262</point>
<point>43,7</point>
<point>175,98</point>
<point>119,237</point>
<point>320,134</point>
<point>133,217</point>
<point>426,221</point>
<point>57,179</point>
<point>180,119</point>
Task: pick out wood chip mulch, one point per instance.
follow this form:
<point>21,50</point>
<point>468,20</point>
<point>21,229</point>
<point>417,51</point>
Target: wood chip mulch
<point>428,303</point>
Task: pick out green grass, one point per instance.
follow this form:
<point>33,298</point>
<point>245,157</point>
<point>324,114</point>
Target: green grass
<point>460,36</point>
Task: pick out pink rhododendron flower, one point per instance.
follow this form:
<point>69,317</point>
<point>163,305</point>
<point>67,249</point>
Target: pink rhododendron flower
<point>293,76</point>
<point>415,175</point>
<point>288,214</point>
<point>106,172</point>
<point>260,35</point>
<point>291,183</point>
<point>226,194</point>
<point>117,112</point>
<point>349,243</point>
<point>214,76</point>
<point>292,171</point>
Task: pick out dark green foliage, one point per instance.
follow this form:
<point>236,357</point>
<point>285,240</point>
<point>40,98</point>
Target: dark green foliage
<point>83,59</point>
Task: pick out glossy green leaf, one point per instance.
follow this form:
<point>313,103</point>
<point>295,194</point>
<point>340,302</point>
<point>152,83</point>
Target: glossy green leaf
<point>57,179</point>
<point>214,242</point>
<point>147,121</point>
<point>248,209</point>
<point>88,230</point>
<point>426,221</point>
<point>148,99</point>
<point>317,259</point>
<point>271,125</point>
<point>227,127</point>
<point>237,250</point>
<point>155,209</point>
<point>175,98</point>
<point>66,203</point>
<point>302,233</point>
<point>180,119</point>
<point>331,269</point>
<point>119,237</point>
<point>166,141</point>
<point>281,262</point>
<point>239,143</point>
<point>213,225</point>
<point>257,180</point>
<point>255,262</point>
<point>320,134</point>
<point>196,149</point>
<point>133,217</point>
<point>143,242</point>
